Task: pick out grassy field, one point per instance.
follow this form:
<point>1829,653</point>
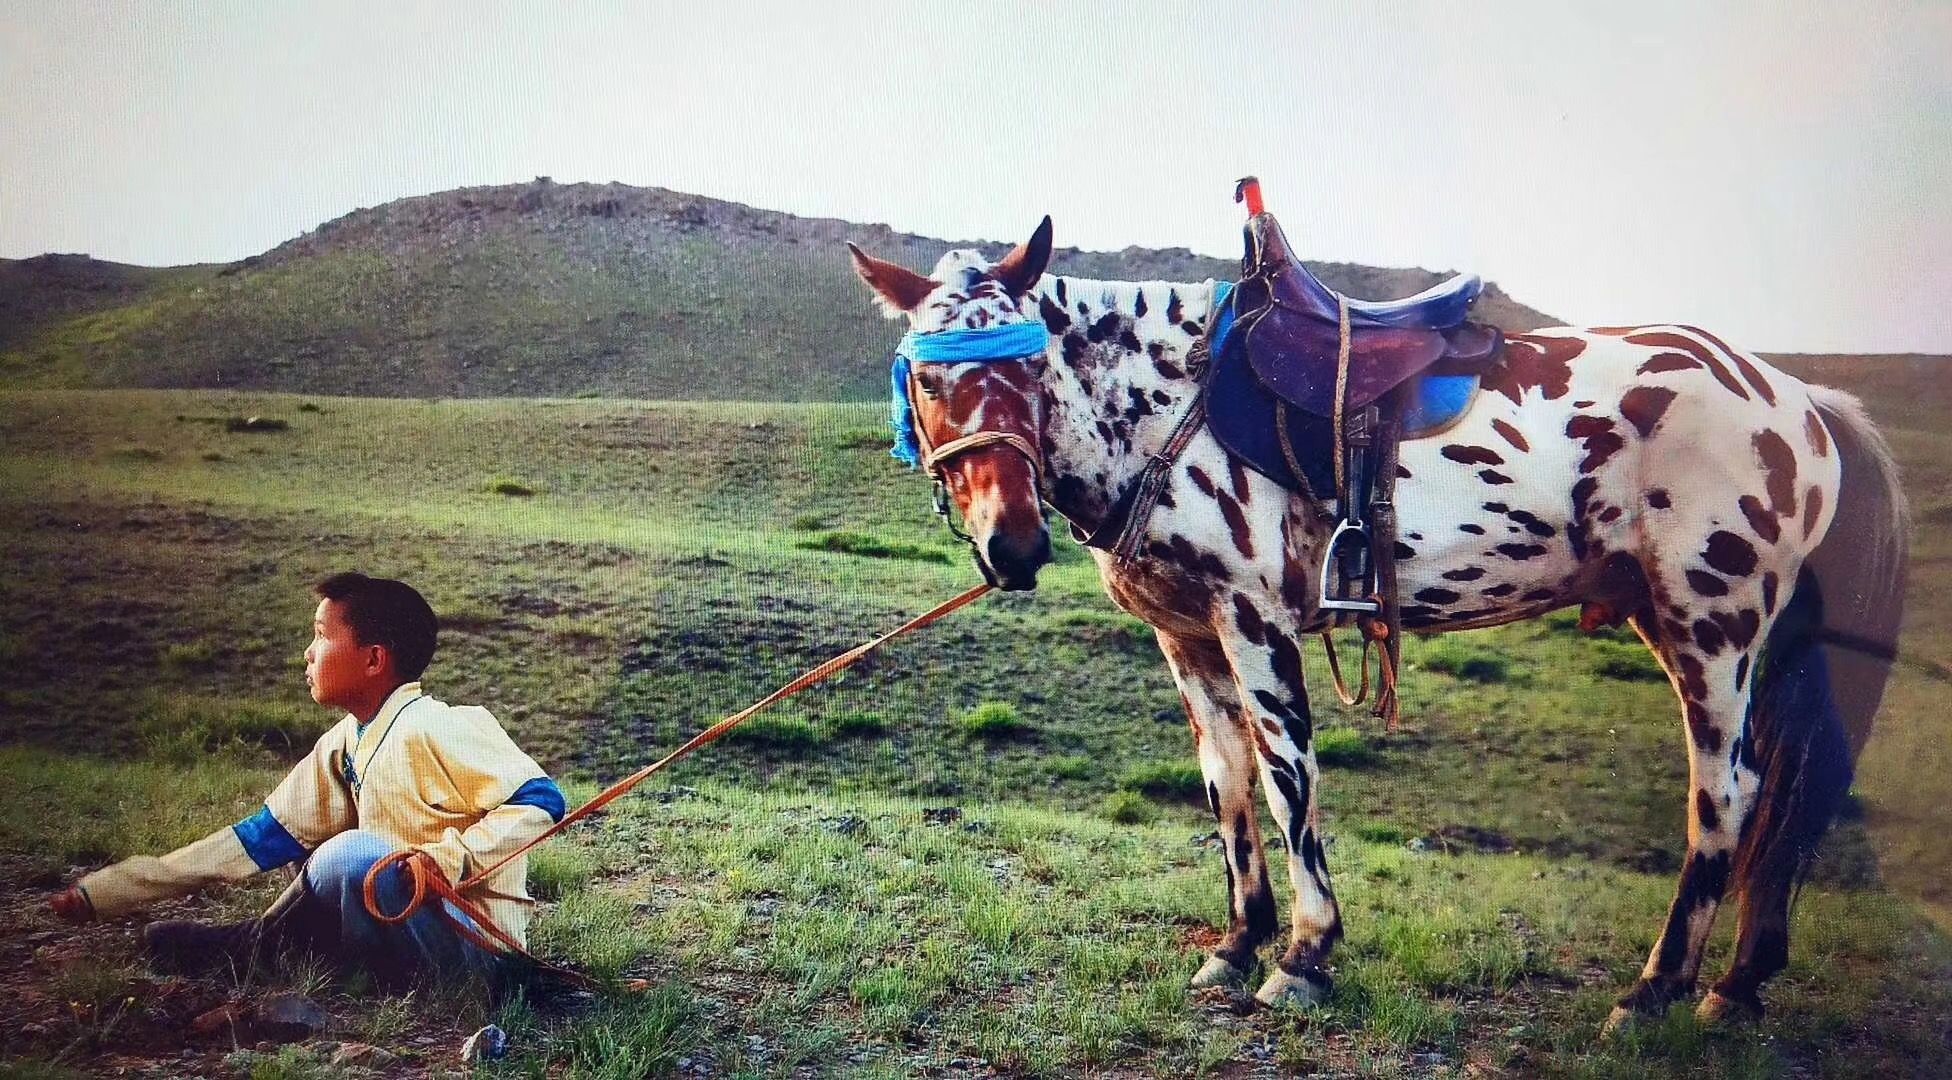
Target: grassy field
<point>976,853</point>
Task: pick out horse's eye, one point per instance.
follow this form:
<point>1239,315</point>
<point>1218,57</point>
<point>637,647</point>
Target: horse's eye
<point>931,384</point>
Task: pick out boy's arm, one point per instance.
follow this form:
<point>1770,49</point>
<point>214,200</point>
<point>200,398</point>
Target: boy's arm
<point>309,805</point>
<point>516,799</point>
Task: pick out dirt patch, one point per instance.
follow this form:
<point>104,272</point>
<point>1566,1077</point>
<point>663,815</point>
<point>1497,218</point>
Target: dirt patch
<point>79,997</point>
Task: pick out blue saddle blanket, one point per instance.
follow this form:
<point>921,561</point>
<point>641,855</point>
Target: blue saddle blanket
<point>1241,414</point>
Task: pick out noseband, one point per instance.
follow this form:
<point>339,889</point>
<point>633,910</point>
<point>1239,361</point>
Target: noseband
<point>1013,342</point>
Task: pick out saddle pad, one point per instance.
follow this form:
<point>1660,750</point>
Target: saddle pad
<point>1436,402</point>
<point>1241,415</point>
<point>1296,357</point>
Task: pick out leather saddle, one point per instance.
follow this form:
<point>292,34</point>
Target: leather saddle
<point>1316,390</point>
<point>1275,350</point>
<point>1289,325</point>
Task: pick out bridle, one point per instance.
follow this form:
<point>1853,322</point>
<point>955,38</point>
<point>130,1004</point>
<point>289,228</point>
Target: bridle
<point>1011,343</point>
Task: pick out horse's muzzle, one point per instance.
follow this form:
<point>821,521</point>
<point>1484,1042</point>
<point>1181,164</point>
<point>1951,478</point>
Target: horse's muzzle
<point>1012,565</point>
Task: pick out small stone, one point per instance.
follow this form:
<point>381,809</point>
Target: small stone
<point>363,1055</point>
<point>287,1017</point>
<point>844,825</point>
<point>488,1044</point>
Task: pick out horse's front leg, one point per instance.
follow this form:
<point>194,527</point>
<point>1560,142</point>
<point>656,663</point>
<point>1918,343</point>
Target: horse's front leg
<point>1226,753</point>
<point>1266,660</point>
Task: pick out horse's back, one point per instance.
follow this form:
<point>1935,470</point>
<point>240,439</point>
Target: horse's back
<point>1653,442</point>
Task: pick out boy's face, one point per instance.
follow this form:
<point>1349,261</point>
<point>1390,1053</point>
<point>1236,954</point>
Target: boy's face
<point>341,671</point>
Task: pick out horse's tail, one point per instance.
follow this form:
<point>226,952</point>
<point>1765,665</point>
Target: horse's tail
<point>1823,668</point>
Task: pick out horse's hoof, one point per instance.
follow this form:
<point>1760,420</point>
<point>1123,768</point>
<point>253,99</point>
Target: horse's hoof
<point>1282,988</point>
<point>1217,972</point>
<point>1718,1008</point>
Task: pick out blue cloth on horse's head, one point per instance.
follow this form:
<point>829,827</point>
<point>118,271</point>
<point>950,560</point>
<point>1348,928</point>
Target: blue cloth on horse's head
<point>1014,341</point>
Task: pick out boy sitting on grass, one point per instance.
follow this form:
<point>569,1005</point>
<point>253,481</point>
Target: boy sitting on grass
<point>401,771</point>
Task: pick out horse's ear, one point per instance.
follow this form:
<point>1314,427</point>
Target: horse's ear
<point>899,288</point>
<point>1020,269</point>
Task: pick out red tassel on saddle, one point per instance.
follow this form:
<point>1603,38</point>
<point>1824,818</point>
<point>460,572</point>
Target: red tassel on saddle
<point>1248,189</point>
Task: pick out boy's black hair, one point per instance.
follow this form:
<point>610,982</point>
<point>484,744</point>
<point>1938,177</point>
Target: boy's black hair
<point>388,613</point>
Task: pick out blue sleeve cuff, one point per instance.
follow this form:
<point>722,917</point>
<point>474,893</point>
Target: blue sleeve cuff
<point>266,841</point>
<point>541,793</point>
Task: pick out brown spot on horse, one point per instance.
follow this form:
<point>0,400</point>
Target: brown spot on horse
<point>1643,406</point>
<point>1513,436</point>
<point>1813,431</point>
<point>1664,340</point>
<point>1730,554</point>
<point>1471,455</point>
<point>1602,442</point>
<point>1780,463</point>
<point>1761,519</point>
<point>1535,363</point>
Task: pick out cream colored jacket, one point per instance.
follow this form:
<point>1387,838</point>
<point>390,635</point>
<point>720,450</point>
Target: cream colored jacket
<point>445,779</point>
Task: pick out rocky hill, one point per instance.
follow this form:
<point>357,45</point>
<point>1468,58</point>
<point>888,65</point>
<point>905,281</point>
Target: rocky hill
<point>535,289</point>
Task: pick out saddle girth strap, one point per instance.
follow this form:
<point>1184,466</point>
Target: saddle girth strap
<point>1382,554</point>
<point>1341,402</point>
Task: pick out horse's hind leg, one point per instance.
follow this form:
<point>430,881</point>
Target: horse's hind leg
<point>1761,950</point>
<point>1706,636</point>
<point>1226,756</point>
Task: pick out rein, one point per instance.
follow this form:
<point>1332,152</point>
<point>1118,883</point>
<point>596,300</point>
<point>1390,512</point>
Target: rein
<point>472,923</point>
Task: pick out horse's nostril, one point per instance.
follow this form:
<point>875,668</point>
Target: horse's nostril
<point>1016,560</point>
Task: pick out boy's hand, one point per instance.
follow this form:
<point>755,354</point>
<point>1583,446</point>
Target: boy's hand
<point>72,906</point>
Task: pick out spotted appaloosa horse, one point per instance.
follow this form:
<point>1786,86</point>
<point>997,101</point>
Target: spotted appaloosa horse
<point>1749,525</point>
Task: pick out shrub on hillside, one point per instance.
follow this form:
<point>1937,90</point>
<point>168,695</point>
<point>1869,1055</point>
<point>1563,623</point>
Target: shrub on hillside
<point>1626,663</point>
<point>779,732</point>
<point>993,720</point>
<point>1467,662</point>
<point>856,723</point>
<point>864,439</point>
<point>1166,780</point>
<point>506,485</point>
<point>1344,748</point>
<point>556,870</point>
<point>1114,629</point>
<point>1129,808</point>
<point>873,547</point>
<point>194,656</point>
<point>187,729</point>
<point>256,423</point>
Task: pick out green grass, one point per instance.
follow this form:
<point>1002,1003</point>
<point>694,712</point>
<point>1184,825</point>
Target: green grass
<point>1058,943</point>
<point>1180,780</point>
<point>856,723</point>
<point>151,629</point>
<point>994,721</point>
<point>513,488</point>
<point>1344,748</point>
<point>873,547</point>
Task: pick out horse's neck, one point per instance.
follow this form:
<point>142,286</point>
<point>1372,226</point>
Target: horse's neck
<point>1117,382</point>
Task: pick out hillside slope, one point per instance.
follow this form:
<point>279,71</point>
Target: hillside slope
<point>537,289</point>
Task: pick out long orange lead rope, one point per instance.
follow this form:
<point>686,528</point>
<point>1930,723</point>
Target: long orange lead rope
<point>483,932</point>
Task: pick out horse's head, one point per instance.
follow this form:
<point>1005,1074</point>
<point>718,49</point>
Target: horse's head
<point>969,407</point>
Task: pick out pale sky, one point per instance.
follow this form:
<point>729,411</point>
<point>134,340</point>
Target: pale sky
<point>1778,173</point>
